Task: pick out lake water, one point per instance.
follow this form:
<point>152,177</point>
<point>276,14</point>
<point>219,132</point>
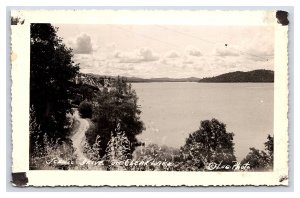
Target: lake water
<point>171,111</point>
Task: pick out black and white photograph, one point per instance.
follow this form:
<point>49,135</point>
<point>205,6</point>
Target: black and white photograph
<point>153,97</point>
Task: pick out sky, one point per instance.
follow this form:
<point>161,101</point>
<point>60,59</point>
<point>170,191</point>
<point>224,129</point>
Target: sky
<point>175,51</point>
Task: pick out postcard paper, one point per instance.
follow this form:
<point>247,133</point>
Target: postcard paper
<point>149,97</point>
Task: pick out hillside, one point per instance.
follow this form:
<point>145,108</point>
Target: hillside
<point>239,76</point>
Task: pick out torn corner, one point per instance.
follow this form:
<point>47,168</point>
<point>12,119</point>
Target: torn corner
<point>282,17</point>
<point>19,179</point>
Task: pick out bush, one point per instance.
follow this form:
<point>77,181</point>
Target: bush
<point>53,155</point>
<point>85,109</point>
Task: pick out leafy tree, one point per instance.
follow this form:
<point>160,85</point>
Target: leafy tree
<point>269,147</point>
<point>51,73</point>
<point>211,143</point>
<point>117,106</point>
<point>261,160</point>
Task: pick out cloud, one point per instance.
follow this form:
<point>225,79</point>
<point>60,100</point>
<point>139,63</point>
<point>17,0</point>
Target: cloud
<point>163,61</point>
<point>91,63</point>
<point>193,51</point>
<point>142,55</point>
<point>111,47</point>
<point>261,44</point>
<point>257,58</point>
<point>259,54</point>
<point>225,52</point>
<point>122,67</point>
<point>188,62</point>
<point>82,44</point>
<point>172,54</point>
<point>147,55</point>
<point>117,54</point>
<point>259,47</point>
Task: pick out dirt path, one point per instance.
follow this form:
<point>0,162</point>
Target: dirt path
<point>78,137</point>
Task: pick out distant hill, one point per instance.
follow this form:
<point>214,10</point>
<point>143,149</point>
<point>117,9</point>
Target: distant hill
<point>144,80</point>
<point>136,80</point>
<point>239,76</point>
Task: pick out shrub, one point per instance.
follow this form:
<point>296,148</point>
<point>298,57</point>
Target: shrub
<point>118,149</point>
<point>54,155</point>
<point>85,109</point>
<point>93,152</point>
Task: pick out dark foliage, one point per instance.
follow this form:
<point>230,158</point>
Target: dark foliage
<point>51,73</point>
<point>269,147</point>
<point>257,159</point>
<point>85,109</point>
<point>238,76</point>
